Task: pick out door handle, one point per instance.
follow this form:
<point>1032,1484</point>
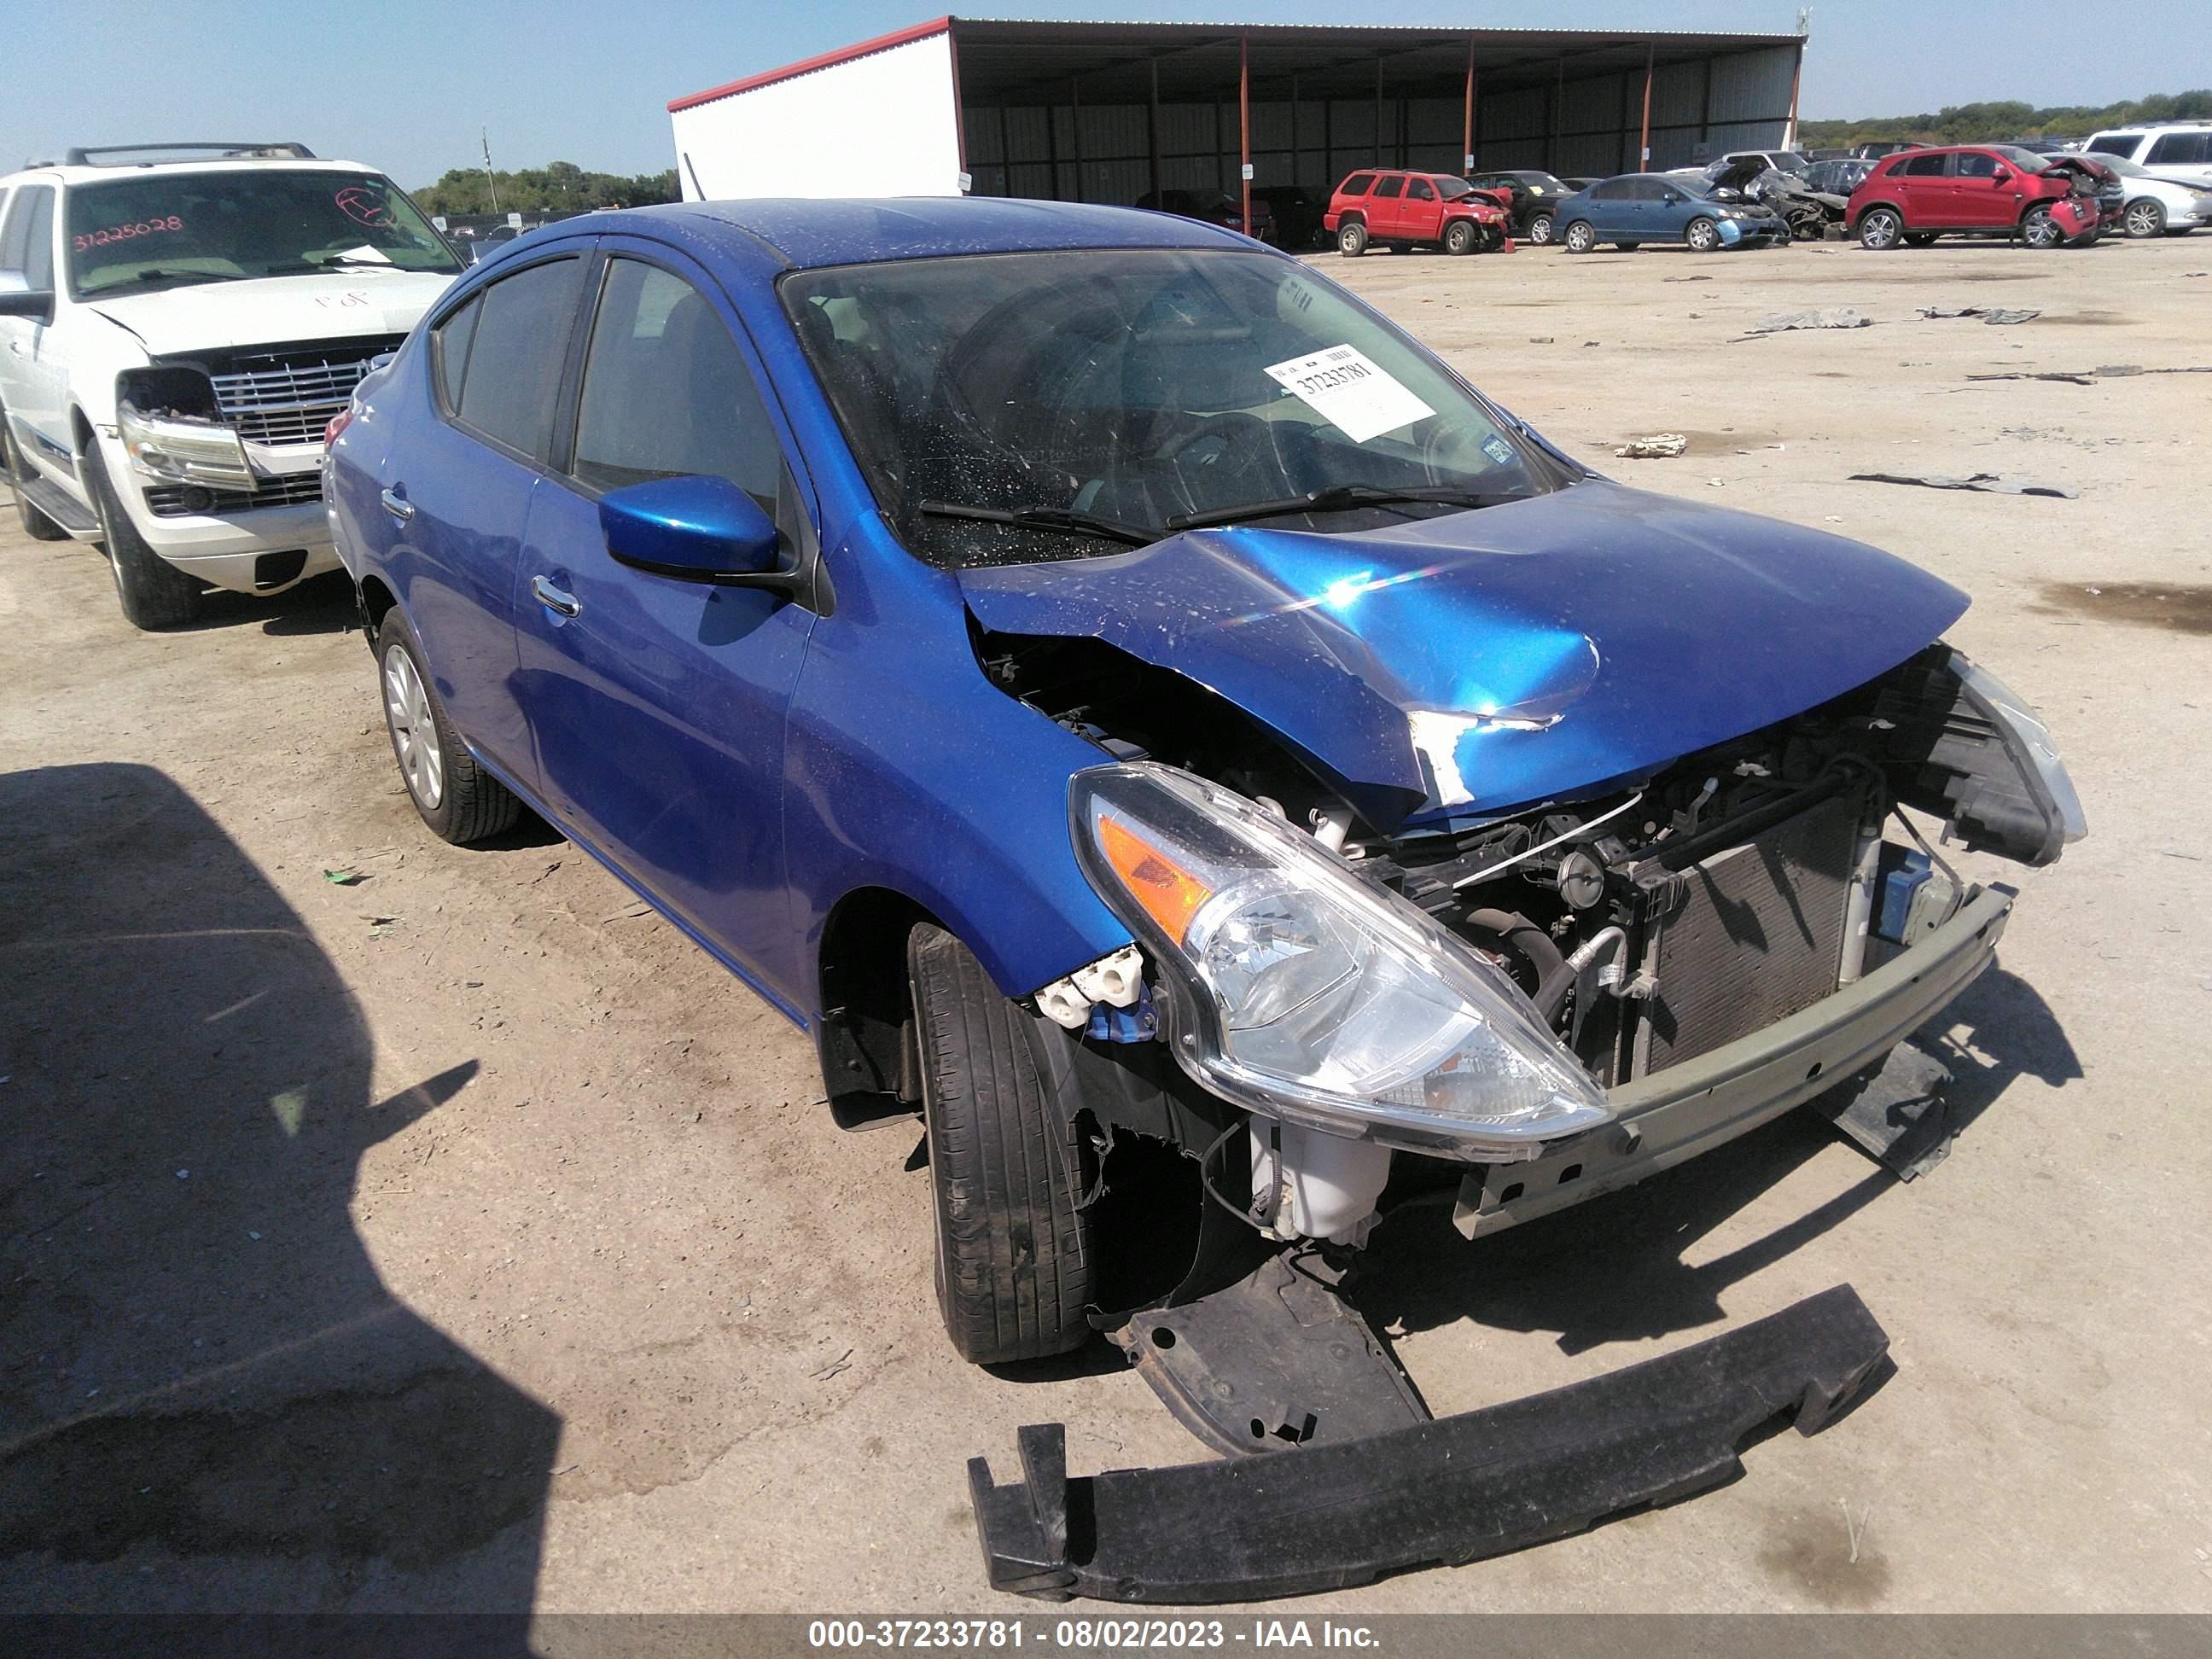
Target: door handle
<point>556,599</point>
<point>397,506</point>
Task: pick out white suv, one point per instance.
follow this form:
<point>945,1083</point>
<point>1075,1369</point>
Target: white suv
<point>175,336</point>
<point>2179,151</point>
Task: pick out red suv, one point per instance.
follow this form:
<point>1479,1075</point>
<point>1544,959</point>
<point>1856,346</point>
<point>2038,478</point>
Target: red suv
<point>1979,191</point>
<point>1406,209</point>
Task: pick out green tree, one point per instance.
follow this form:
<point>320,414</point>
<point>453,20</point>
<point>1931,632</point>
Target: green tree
<point>1991,123</point>
<point>557,188</point>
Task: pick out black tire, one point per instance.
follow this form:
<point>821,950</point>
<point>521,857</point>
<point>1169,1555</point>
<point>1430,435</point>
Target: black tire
<point>1702,235</point>
<point>36,525</point>
<point>1540,229</point>
<point>1921,237</point>
<point>2145,217</point>
<point>1459,236</point>
<point>1628,247</point>
<point>467,804</point>
<point>1881,229</point>
<point>1582,237</point>
<point>155,594</point>
<point>1014,1258</point>
<point>1352,239</point>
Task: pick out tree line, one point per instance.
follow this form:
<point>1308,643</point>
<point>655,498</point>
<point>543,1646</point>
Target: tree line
<point>1989,123</point>
<point>557,188</point>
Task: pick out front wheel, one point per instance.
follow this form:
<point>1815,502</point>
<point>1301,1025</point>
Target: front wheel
<point>1014,1253</point>
<point>2040,228</point>
<point>154,593</point>
<point>1459,236</point>
<point>1352,240</point>
<point>458,798</point>
<point>1582,237</point>
<point>1881,229</point>
<point>1540,229</point>
<point>2146,218</point>
<point>1702,234</point>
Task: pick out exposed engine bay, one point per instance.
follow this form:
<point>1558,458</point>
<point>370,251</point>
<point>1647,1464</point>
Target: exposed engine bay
<point>1649,922</point>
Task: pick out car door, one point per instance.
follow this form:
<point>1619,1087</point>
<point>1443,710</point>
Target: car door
<point>34,368</point>
<point>1612,208</point>
<point>1924,191</point>
<point>1386,206</point>
<point>1422,214</point>
<point>458,490</point>
<point>657,703</point>
<point>1985,190</point>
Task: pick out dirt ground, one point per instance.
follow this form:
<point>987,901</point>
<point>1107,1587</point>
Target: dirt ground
<point>463,1238</point>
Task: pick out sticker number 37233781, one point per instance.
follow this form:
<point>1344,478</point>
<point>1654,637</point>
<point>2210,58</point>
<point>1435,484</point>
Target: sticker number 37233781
<point>126,233</point>
<point>1352,393</point>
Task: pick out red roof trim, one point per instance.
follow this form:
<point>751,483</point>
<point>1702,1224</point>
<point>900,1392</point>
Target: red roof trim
<point>808,66</point>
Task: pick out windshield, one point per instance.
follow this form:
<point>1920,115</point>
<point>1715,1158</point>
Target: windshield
<point>1788,160</point>
<point>1543,184</point>
<point>2026,159</point>
<point>1136,388</point>
<point>161,228</point>
<point>1452,188</point>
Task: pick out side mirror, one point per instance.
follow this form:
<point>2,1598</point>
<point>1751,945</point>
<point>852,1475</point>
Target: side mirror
<point>699,530</point>
<point>1671,199</point>
<point>2002,176</point>
<point>18,298</point>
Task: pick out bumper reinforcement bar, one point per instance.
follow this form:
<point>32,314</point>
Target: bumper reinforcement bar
<point>1457,1489</point>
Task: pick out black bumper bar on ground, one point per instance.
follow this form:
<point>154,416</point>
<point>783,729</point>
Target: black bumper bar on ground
<point>1321,1518</point>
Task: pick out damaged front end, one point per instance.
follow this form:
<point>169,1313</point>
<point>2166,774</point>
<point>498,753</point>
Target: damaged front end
<point>1362,982</point>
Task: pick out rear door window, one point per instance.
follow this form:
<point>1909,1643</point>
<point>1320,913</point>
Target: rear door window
<point>1614,190</point>
<point>1358,184</point>
<point>2179,148</point>
<point>518,344</point>
<point>667,393</point>
<point>2119,144</point>
<point>1924,167</point>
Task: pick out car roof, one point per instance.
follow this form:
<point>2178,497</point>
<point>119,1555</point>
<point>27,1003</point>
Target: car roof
<point>804,234</point>
<point>63,172</point>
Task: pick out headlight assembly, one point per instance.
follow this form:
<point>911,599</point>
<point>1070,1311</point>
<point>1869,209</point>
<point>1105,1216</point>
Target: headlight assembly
<point>1300,991</point>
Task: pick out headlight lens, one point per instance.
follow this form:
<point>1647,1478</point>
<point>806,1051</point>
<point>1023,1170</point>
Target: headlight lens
<point>2033,750</point>
<point>1299,991</point>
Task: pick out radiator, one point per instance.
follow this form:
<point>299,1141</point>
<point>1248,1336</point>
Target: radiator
<point>1751,935</point>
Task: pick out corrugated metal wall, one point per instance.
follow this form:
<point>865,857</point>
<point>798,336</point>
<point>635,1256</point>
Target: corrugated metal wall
<point>1573,126</point>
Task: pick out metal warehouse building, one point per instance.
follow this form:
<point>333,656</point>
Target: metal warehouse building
<point>1110,112</point>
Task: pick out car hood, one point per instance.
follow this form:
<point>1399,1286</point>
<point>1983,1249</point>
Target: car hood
<point>274,310</point>
<point>1495,658</point>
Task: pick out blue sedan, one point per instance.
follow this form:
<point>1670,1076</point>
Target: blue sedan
<point>1146,718</point>
<point>1662,207</point>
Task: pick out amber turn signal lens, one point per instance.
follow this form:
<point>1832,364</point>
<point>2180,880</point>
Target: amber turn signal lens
<point>1171,895</point>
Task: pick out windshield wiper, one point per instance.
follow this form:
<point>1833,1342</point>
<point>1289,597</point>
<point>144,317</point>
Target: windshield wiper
<point>1336,498</point>
<point>1044,518</point>
<point>160,274</point>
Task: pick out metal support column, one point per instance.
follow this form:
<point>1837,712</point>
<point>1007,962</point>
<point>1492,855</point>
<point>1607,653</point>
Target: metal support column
<point>1467,114</point>
<point>1153,125</point>
<point>1378,109</point>
<point>1075,130</point>
<point>1644,144</point>
<point>1244,124</point>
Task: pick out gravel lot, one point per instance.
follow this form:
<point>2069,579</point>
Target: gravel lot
<point>463,1238</point>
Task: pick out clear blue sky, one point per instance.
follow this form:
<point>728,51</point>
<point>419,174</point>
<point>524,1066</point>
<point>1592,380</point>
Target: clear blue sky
<point>404,84</point>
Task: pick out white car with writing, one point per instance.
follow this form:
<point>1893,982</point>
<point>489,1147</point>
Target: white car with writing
<point>178,324</point>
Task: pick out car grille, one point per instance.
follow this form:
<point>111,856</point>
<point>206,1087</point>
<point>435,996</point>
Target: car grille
<point>168,501</point>
<point>287,395</point>
<point>1752,935</point>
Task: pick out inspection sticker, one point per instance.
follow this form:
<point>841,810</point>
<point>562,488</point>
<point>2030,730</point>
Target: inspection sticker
<point>1350,393</point>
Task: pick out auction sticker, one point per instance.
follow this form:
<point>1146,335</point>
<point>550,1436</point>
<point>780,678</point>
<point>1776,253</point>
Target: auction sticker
<point>1350,393</point>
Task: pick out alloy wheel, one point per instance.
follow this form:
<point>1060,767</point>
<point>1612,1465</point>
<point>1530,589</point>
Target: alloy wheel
<point>414,729</point>
<point>2145,219</point>
<point>2041,229</point>
<point>1879,229</point>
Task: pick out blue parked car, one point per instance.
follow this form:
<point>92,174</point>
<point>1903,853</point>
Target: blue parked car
<point>1143,714</point>
<point>1663,207</point>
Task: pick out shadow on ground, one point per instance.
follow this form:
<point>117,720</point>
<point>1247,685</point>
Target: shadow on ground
<point>208,1398</point>
<point>1615,1269</point>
